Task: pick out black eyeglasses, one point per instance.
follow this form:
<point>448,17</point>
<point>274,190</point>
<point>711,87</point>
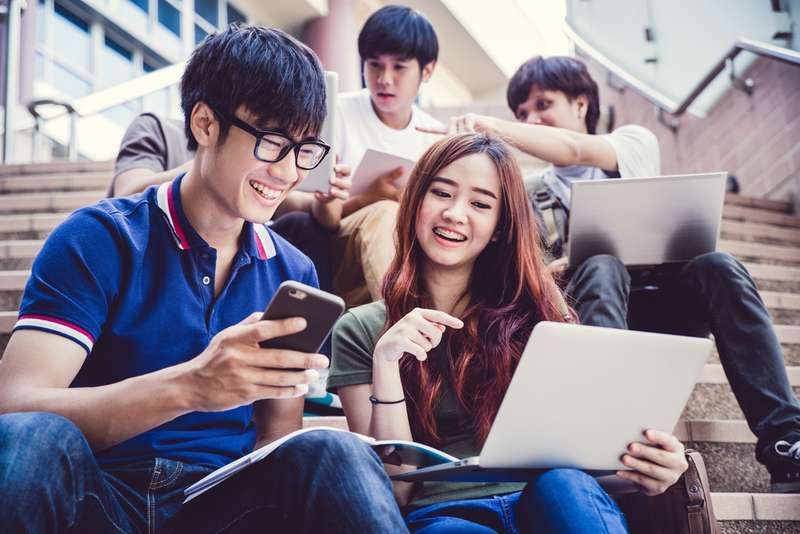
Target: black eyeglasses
<point>273,145</point>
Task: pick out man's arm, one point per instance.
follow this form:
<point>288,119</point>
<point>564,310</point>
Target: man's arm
<point>38,367</point>
<point>137,180</point>
<point>557,145</point>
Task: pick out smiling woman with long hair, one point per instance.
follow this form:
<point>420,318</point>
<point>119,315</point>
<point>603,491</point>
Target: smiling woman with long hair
<point>433,360</point>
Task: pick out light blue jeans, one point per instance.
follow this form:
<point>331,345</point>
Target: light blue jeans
<point>557,501</point>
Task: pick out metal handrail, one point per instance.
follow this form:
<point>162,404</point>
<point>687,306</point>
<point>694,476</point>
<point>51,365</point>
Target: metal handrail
<point>666,104</point>
<point>101,101</point>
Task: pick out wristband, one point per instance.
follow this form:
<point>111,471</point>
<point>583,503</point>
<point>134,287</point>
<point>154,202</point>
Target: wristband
<point>374,401</point>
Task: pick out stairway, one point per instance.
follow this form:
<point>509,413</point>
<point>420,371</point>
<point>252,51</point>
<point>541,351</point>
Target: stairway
<point>762,233</point>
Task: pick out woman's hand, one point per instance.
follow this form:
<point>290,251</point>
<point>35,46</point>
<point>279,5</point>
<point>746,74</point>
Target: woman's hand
<point>417,333</point>
<point>656,465</point>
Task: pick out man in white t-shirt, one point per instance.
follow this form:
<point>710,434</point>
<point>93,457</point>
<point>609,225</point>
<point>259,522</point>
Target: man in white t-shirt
<point>556,103</point>
<point>398,49</point>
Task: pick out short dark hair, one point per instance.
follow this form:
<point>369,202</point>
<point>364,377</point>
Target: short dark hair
<point>276,77</point>
<point>557,73</point>
<point>398,30</point>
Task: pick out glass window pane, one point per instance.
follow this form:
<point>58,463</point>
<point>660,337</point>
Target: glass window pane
<point>169,17</point>
<point>141,4</point>
<point>67,28</point>
<point>38,67</point>
<point>41,13</point>
<point>199,34</point>
<point>69,84</point>
<point>234,15</point>
<point>115,65</point>
<point>208,10</point>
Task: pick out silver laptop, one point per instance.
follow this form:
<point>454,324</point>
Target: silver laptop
<point>579,396</point>
<point>646,221</point>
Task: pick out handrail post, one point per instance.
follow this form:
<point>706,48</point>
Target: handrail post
<point>36,138</point>
<point>72,146</point>
<point>13,18</point>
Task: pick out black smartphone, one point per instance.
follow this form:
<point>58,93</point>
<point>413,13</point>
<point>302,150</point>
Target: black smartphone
<point>319,308</point>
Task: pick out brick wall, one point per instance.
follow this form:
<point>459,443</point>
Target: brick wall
<point>756,138</point>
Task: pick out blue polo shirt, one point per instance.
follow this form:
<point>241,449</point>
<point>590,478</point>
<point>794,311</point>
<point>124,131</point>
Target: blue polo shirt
<point>130,281</point>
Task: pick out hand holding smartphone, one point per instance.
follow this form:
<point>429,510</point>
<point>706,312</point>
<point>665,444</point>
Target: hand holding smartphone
<point>319,308</point>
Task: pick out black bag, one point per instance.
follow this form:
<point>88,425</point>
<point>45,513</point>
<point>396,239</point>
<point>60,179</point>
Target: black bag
<point>685,508</point>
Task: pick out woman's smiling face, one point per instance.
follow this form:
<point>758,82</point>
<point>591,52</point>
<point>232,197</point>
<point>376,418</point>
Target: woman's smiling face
<point>459,212</point>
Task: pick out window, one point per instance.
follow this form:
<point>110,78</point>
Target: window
<point>208,10</point>
<point>234,15</point>
<point>199,34</point>
<point>71,42</point>
<point>169,17</point>
<point>144,5</point>
<point>115,65</point>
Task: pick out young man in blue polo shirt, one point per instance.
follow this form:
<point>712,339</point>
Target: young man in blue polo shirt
<point>134,369</point>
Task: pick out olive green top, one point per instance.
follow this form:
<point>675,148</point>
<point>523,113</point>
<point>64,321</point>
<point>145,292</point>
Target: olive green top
<point>354,338</point>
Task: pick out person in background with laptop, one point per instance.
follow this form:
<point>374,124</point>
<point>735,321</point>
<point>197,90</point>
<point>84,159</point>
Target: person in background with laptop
<point>433,360</point>
<point>398,50</point>
<point>556,103</point>
<point>134,369</point>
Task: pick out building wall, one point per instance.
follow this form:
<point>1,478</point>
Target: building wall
<point>756,138</point>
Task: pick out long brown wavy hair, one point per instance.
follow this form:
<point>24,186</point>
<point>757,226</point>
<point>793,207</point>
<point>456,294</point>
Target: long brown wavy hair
<point>510,290</point>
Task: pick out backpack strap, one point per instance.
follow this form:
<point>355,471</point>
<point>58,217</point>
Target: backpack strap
<point>551,215</point>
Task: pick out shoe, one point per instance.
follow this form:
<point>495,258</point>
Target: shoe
<point>784,467</point>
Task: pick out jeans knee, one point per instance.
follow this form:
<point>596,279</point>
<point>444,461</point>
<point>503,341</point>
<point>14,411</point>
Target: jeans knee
<point>561,482</point>
<point>33,441</point>
<point>603,268</point>
<point>713,264</point>
<point>38,428</point>
<point>344,450</point>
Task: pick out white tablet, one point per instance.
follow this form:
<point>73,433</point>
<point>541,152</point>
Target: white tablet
<point>374,164</point>
<point>318,178</point>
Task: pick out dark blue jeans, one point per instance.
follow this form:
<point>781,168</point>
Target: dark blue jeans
<point>711,293</point>
<point>557,501</point>
<point>320,482</point>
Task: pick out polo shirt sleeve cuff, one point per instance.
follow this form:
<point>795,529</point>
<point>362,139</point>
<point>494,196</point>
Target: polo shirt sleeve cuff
<point>56,326</point>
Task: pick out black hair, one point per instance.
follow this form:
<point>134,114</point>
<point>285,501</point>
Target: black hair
<point>277,78</point>
<point>398,30</point>
<point>557,73</point>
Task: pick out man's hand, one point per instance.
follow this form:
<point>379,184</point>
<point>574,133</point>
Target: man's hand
<point>234,370</point>
<point>383,186</point>
<point>468,123</point>
<point>327,207</point>
<point>558,266</point>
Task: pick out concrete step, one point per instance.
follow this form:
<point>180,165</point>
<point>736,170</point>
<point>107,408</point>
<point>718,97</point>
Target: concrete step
<point>48,202</point>
<point>54,182</point>
<point>57,167</point>
<point>716,401</point>
<point>741,213</point>
<point>744,250</point>
<point>34,223</point>
<point>782,509</point>
<point>763,233</point>
<point>759,203</point>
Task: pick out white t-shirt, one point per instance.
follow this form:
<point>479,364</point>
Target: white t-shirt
<point>359,128</point>
<point>638,155</point>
